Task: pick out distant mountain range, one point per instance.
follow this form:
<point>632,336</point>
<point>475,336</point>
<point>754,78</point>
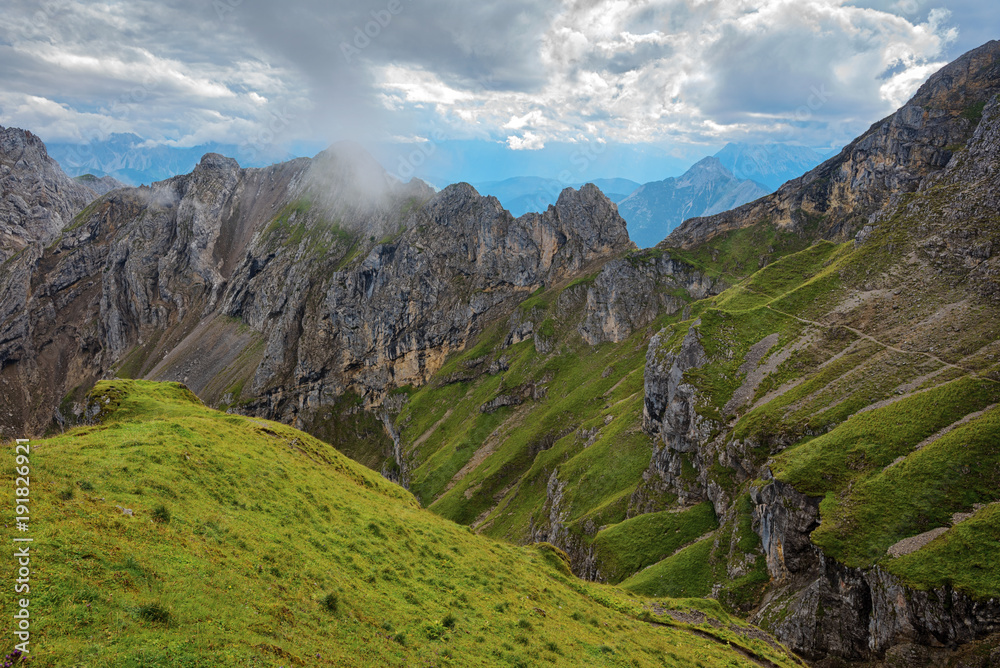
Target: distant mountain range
<point>127,158</point>
<point>748,171</point>
<point>737,174</point>
<point>524,194</point>
<point>707,188</point>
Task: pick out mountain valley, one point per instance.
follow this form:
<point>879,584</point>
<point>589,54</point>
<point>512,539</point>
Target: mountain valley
<point>413,427</point>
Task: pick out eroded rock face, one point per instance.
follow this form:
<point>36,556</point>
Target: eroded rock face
<point>894,157</point>
<point>944,147</point>
<point>824,609</point>
<point>784,519</point>
<point>670,416</point>
<point>296,283</point>
<point>629,293</point>
<point>391,319</point>
<point>38,199</point>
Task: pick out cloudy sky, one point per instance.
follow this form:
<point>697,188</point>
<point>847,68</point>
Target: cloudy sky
<point>683,75</point>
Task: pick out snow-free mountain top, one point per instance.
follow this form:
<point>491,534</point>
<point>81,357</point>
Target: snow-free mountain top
<point>707,188</point>
<point>132,160</point>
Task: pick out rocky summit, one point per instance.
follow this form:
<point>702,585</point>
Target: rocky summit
<point>39,200</point>
<point>786,413</point>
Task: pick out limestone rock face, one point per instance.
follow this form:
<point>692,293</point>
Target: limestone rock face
<point>280,289</point>
<point>38,199</point>
<point>825,609</point>
<point>629,293</point>
<point>892,158</point>
<point>670,416</point>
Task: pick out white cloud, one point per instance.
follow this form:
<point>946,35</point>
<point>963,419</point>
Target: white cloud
<point>54,121</point>
<point>705,70</point>
<point>534,119</point>
<point>523,72</point>
<point>419,86</point>
<point>528,142</point>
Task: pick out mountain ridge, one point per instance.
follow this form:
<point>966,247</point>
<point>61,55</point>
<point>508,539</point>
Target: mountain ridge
<point>38,198</point>
<point>527,194</point>
<point>706,188</point>
<point>206,568</point>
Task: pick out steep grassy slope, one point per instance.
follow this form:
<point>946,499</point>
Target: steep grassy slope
<point>828,366</point>
<point>169,534</point>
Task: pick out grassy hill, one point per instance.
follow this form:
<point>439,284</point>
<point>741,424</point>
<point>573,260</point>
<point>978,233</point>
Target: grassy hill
<point>169,534</point>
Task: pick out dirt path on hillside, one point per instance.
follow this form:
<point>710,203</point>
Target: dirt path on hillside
<point>952,427</point>
<point>489,446</point>
<point>888,346</point>
<point>430,432</point>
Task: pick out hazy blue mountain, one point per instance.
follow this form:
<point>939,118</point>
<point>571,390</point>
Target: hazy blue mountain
<point>768,164</point>
<point>442,163</point>
<point>616,189</point>
<point>656,208</point>
<point>126,158</point>
<point>522,194</point>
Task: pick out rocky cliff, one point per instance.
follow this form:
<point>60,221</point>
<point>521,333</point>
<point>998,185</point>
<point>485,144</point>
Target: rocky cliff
<point>810,418</point>
<point>36,198</point>
<point>834,404</point>
<point>276,291</point>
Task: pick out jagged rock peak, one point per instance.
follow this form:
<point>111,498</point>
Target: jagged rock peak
<point>708,165</point>
<point>593,215</point>
<point>22,148</point>
<point>38,198</point>
<point>215,161</point>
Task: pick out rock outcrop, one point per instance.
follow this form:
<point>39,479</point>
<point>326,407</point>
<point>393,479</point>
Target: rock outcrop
<point>38,199</point>
<point>280,289</point>
<point>824,609</point>
<point>631,292</point>
<point>670,416</point>
<point>101,185</point>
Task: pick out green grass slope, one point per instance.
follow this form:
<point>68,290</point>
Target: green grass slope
<point>169,534</point>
